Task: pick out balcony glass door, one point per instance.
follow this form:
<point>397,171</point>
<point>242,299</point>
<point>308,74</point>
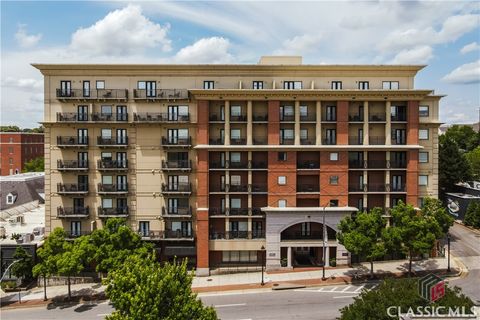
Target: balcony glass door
<point>121,183</point>
<point>122,159</point>
<point>76,228</point>
<point>331,113</point>
<point>78,205</point>
<point>122,114</point>
<point>82,182</point>
<point>396,183</point>
<point>65,88</point>
<point>172,206</point>
<point>82,136</point>
<point>82,113</point>
<point>122,205</point>
<point>173,183</point>
<point>331,136</point>
<point>151,88</point>
<point>82,158</point>
<point>86,88</point>
<point>121,136</point>
<point>144,228</point>
<point>360,136</point>
<point>106,112</point>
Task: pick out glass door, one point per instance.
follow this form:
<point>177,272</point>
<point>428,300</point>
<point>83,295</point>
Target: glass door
<point>82,158</point>
<point>66,88</point>
<point>151,89</point>
<point>86,88</point>
<point>121,136</point>
<point>172,113</point>
<point>82,113</point>
<point>122,114</point>
<point>82,136</point>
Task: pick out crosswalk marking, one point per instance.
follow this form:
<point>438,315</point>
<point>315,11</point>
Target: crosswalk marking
<point>346,289</point>
<point>359,288</point>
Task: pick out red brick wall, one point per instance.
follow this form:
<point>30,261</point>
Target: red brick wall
<point>342,122</point>
<point>273,122</point>
<point>25,147</point>
<point>412,124</point>
<point>412,177</point>
<point>202,211</point>
<point>202,122</point>
<point>282,168</point>
<point>334,168</point>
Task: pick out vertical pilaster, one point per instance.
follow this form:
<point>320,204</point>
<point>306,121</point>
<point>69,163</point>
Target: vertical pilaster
<point>273,122</point>
<point>388,125</point>
<point>289,257</point>
<point>202,214</point>
<point>227,123</point>
<point>249,123</point>
<point>412,124</point>
<point>318,124</point>
<point>366,133</point>
<point>297,123</point>
<point>342,122</point>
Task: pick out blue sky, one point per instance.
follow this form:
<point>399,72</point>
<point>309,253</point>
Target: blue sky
<point>444,35</point>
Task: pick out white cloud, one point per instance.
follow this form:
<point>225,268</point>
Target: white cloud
<point>121,32</point>
<point>456,26</point>
<point>465,74</point>
<point>206,50</point>
<point>300,44</point>
<point>470,47</point>
<point>25,40</point>
<point>27,83</point>
<point>417,55</point>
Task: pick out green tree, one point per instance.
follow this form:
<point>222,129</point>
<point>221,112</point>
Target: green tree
<point>453,166</point>
<point>142,289</point>
<point>373,304</point>
<point>49,253</point>
<point>411,232</point>
<point>362,235</point>
<point>472,216</point>
<point>464,136</point>
<point>473,158</point>
<point>71,261</point>
<point>114,243</point>
<point>35,165</point>
<point>23,267</point>
<point>434,208</point>
<point>9,129</point>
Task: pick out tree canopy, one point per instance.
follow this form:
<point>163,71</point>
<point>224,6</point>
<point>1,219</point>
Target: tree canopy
<point>464,136</point>
<point>142,289</point>
<point>434,208</point>
<point>374,304</point>
<point>35,165</point>
<point>23,267</point>
<point>453,166</point>
<point>472,216</point>
<point>473,158</point>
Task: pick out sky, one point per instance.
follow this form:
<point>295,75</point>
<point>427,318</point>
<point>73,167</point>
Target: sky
<point>445,35</point>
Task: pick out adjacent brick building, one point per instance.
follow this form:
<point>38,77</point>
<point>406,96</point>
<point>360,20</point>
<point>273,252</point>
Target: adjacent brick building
<point>18,148</point>
<point>225,163</point>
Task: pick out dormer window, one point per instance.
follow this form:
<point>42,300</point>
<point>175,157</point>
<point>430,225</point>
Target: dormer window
<point>11,198</point>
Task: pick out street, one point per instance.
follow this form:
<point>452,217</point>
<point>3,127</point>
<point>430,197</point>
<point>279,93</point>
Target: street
<point>310,303</point>
<point>465,246</point>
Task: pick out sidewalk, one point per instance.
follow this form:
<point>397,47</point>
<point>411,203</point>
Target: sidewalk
<point>245,281</point>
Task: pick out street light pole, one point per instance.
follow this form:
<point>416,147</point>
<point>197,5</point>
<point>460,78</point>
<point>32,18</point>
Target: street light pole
<point>263,263</point>
<point>448,246</point>
<point>324,246</point>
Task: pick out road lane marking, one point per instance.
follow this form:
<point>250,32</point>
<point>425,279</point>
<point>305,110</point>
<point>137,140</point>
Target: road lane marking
<point>320,290</point>
<point>359,288</point>
<point>230,305</point>
<point>340,297</point>
<point>348,287</point>
<point>334,289</point>
<point>103,314</point>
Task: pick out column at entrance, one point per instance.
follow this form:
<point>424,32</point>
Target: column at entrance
<point>289,257</point>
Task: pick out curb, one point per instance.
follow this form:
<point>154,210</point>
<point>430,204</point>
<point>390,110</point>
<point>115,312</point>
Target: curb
<point>468,228</point>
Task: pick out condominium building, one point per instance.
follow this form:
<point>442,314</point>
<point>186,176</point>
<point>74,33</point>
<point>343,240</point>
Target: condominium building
<point>226,164</point>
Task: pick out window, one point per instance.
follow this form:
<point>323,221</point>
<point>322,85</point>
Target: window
<point>333,203</point>
<point>282,203</point>
<point>65,88</point>
<point>282,156</point>
<point>208,84</point>
<point>107,203</point>
<point>235,203</point>
<point>282,180</point>
<point>239,256</point>
<point>141,85</point>
<point>331,136</point>
<point>10,150</point>
<point>423,180</point>
<point>303,111</point>
<point>423,157</point>
<point>235,180</point>
<point>303,134</point>
<point>75,228</point>
<point>235,133</point>
<point>292,85</point>
<point>286,134</point>
<point>86,88</point>
<point>334,180</point>
<point>363,85</point>
<point>11,198</point>
<point>423,134</point>
<point>10,160</point>
<point>333,156</point>
<point>390,85</point>
<point>144,228</point>
<point>423,111</point>
<point>106,110</point>
<point>287,113</point>
<point>331,113</point>
<point>257,85</point>
<point>100,84</point>
<point>235,157</point>
<point>235,111</point>
<point>305,228</point>
<point>336,85</point>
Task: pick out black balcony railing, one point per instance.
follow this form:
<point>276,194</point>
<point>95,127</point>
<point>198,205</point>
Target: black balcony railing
<point>238,141</point>
<point>232,235</point>
<point>308,142</point>
<point>104,212</point>
<point>237,188</point>
<point>112,188</point>
<point>376,140</point>
<point>76,233</point>
<point>399,141</point>
<point>112,164</point>
<point>72,141</point>
<point>376,117</point>
<point>161,117</point>
<point>260,141</point>
<point>284,141</point>
<point>237,165</point>
<point>355,118</point>
<point>373,187</point>
<point>215,117</point>
<point>93,94</point>
<point>217,165</point>
<point>260,118</point>
<point>237,211</point>
<point>330,141</point>
<point>257,211</point>
<point>399,117</point>
<point>72,188</point>
<point>177,164</point>
<point>72,164</point>
<point>258,187</point>
<point>176,141</point>
<point>107,117</point>
<point>396,188</point>
<point>216,141</point>
<point>71,117</point>
<point>377,164</point>
<point>214,211</point>
<point>65,212</point>
<point>308,117</point>
<point>308,165</point>
<point>112,141</point>
<point>330,118</point>
<point>177,211</point>
<point>356,164</point>
<point>161,94</point>
<point>287,118</point>
<point>255,164</point>
<point>178,234</point>
<point>355,140</point>
<point>308,188</point>
<point>357,188</point>
<point>177,187</point>
<point>398,164</point>
<point>240,118</point>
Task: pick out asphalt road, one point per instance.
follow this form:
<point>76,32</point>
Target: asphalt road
<point>309,303</point>
<point>465,245</point>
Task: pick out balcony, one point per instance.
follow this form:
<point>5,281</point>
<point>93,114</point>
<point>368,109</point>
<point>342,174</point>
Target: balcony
<point>398,164</point>
<point>260,140</point>
<point>237,212</point>
<point>257,212</point>
<point>396,188</point>
<point>97,94</point>
<point>215,118</point>
<point>355,140</point>
<point>113,189</point>
<point>71,117</point>
<point>285,141</point>
<point>399,141</point>
<point>329,141</point>
<point>260,118</point>
<point>376,140</point>
<point>216,141</point>
<point>72,234</point>
<point>233,235</point>
<point>177,212</point>
<point>161,117</point>
<point>377,117</point>
<point>72,142</point>
<point>308,165</point>
<point>73,212</point>
<point>399,118</point>
<point>121,212</point>
<point>285,118</point>
<point>161,94</point>
<point>72,165</point>
<point>113,142</point>
<point>308,188</point>
<point>374,187</point>
<point>257,188</point>
<point>238,141</point>
<point>180,234</point>
<point>240,118</point>
<point>355,118</point>
<point>357,188</point>
<point>237,165</point>
<point>217,211</point>
<point>330,118</point>
<point>177,165</point>
<point>307,142</point>
<point>72,189</point>
<point>112,165</point>
<point>176,142</point>
<point>110,117</point>
<point>357,164</point>
<point>308,118</point>
<point>257,164</point>
<point>177,188</point>
<point>236,188</point>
